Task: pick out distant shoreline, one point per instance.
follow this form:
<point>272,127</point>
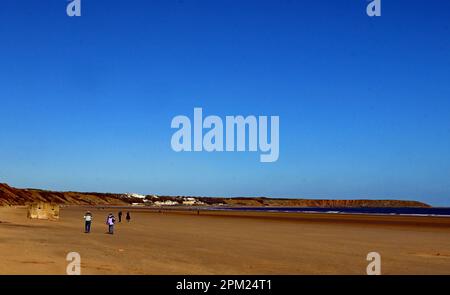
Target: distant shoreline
<point>253,213</point>
<point>389,211</point>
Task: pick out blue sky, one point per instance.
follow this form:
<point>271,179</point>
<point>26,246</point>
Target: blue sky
<point>364,103</point>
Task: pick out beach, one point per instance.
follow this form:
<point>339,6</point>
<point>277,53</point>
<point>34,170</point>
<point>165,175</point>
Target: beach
<point>216,242</point>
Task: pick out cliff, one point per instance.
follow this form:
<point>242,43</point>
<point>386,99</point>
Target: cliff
<point>13,196</point>
<point>322,203</point>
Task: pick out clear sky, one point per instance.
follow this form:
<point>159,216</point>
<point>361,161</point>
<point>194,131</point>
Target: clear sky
<point>364,103</point>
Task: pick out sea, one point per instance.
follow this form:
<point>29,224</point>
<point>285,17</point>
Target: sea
<point>434,211</point>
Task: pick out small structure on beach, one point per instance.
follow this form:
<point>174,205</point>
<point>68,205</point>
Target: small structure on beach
<point>43,210</point>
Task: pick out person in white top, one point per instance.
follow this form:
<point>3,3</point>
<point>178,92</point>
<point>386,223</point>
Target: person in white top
<point>110,222</point>
<point>87,222</point>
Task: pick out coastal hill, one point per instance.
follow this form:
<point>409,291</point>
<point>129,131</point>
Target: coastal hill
<point>13,196</point>
<point>10,196</point>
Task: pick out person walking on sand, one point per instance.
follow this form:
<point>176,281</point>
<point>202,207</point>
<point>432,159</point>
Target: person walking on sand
<point>110,222</point>
<point>128,217</point>
<point>87,222</point>
<point>120,216</point>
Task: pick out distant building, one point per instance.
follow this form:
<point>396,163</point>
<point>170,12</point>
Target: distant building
<point>165,203</point>
<point>192,201</point>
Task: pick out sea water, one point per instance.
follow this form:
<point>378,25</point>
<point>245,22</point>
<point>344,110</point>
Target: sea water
<point>441,211</point>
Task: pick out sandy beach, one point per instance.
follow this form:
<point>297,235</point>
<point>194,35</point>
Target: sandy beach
<point>181,242</point>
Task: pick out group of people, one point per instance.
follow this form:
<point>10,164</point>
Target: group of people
<point>110,221</point>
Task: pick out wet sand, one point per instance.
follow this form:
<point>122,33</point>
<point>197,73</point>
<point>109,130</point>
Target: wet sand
<point>182,242</point>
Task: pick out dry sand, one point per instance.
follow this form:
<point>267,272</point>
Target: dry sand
<point>223,243</point>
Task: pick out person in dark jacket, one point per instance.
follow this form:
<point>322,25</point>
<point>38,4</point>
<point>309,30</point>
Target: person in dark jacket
<point>120,216</point>
<point>128,217</point>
